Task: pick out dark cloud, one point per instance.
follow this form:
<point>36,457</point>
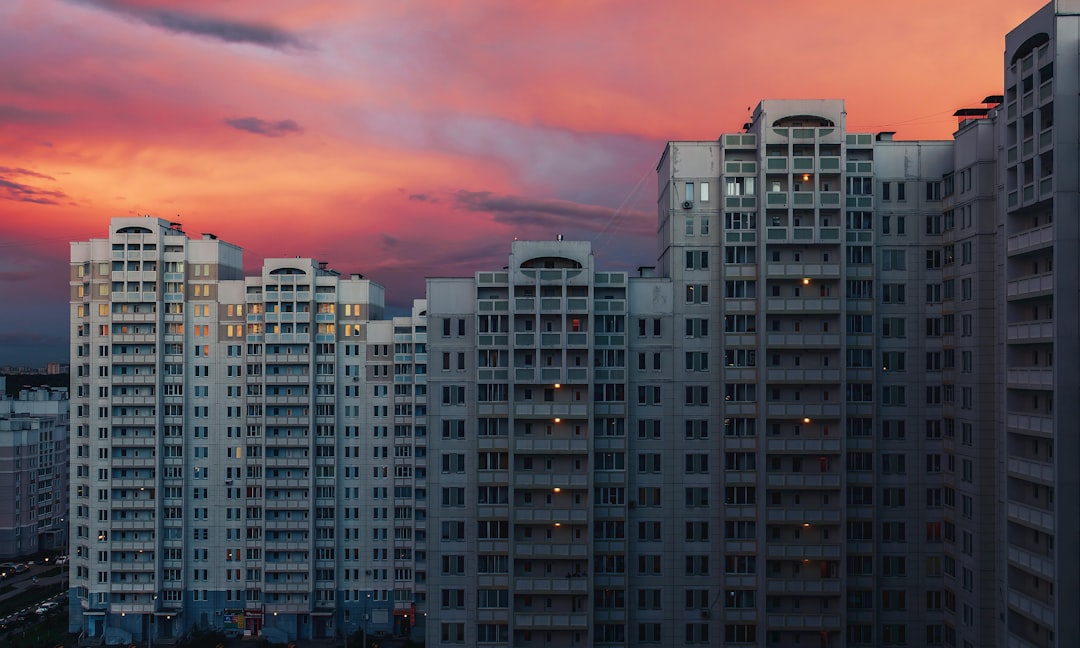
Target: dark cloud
<point>10,189</point>
<point>423,197</point>
<point>551,214</point>
<point>389,242</point>
<point>264,127</point>
<point>12,171</point>
<point>189,22</point>
<point>9,113</point>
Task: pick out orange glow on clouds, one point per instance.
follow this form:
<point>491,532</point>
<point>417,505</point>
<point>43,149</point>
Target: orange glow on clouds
<point>410,139</point>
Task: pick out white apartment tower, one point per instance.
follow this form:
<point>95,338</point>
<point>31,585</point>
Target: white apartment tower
<point>33,470</point>
<point>836,414</point>
<point>238,443</point>
<point>1037,166</point>
<point>528,407</point>
<point>823,273</point>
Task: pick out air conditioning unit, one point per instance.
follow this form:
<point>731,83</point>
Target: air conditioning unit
<point>704,614</point>
<point>687,204</point>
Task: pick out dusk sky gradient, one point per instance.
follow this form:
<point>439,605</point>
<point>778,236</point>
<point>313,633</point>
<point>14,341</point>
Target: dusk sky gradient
<point>418,138</point>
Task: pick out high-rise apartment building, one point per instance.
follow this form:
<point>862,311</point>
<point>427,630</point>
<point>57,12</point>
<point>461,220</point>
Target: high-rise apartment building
<point>33,470</point>
<point>529,407</point>
<point>1037,154</point>
<point>242,457</point>
<point>826,417</point>
<point>823,245</point>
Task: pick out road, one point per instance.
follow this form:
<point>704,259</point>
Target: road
<point>24,581</point>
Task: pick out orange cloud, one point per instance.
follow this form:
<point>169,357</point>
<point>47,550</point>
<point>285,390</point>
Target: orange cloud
<point>404,139</point>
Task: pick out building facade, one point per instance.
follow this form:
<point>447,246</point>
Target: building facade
<point>1037,176</point>
<point>836,412</point>
<point>33,471</point>
<point>242,457</point>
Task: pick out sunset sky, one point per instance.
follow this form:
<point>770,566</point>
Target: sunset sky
<point>415,138</point>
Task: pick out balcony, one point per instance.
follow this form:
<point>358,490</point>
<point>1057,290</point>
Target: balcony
<point>807,410</point>
<point>800,270</point>
<point>803,516</point>
<point>1031,608</point>
<point>524,585</point>
<point>550,410</point>
<point>132,608</point>
<point>803,586</point>
<point>803,376</point>
<point>550,515</point>
<point>1030,377</point>
<point>1029,287</point>
<point>776,163</point>
<point>551,305</point>
<point>790,480</point>
<point>856,167</point>
<point>287,567</point>
<point>1027,102</point>
<point>802,340</point>
<point>1031,562</point>
<point>804,621</point>
<point>803,551</point>
<point>1031,470</point>
<point>803,446</point>
<point>1046,91</point>
<point>580,550</point>
<point>740,202</point>
<point>1034,331</point>
<point>546,480</point>
<point>1030,516</point>
<point>280,587</point>
<point>551,446</point>
<point>493,305</point>
<point>551,621</point>
<point>1030,424</point>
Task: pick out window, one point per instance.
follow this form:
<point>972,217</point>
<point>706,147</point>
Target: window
<point>860,254</point>
<point>697,293</point>
<point>739,288</point>
<point>697,259</point>
<point>893,293</point>
<point>697,394</point>
<point>860,220</point>
<point>740,221</point>
<point>893,259</point>
<point>859,186</point>
<point>933,293</point>
<point>697,327</point>
<point>740,254</point>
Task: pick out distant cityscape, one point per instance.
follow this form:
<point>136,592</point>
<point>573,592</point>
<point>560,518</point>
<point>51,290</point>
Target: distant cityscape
<point>838,411</point>
<point>50,369</point>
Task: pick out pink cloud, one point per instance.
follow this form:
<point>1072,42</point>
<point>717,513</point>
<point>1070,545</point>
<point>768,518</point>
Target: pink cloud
<point>117,107</point>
